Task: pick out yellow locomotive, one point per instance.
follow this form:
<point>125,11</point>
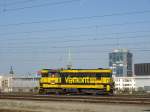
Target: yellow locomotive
<point>87,81</point>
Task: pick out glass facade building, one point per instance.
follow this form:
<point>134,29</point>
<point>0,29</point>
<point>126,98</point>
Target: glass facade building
<point>120,61</point>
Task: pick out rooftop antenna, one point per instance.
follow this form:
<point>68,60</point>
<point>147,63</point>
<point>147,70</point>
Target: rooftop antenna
<point>69,65</point>
<point>11,70</point>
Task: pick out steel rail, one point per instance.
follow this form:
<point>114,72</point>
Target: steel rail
<point>88,99</point>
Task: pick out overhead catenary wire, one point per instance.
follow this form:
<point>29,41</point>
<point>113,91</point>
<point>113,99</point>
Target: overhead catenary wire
<point>18,2</point>
<point>76,18</point>
<point>75,52</point>
<point>46,41</point>
<point>76,28</point>
<point>96,45</point>
<point>40,5</point>
<point>32,46</point>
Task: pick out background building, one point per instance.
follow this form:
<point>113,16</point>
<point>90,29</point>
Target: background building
<point>142,76</point>
<point>130,84</point>
<point>19,83</point>
<point>142,69</point>
<point>120,61</point>
<point>142,83</point>
<point>126,84</point>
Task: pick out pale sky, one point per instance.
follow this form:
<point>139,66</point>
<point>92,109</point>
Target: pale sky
<point>36,34</point>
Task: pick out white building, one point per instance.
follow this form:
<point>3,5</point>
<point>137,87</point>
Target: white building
<point>142,83</point>
<point>124,83</point>
<point>136,83</point>
<point>18,83</point>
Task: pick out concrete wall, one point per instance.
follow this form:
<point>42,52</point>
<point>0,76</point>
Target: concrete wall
<point>142,82</point>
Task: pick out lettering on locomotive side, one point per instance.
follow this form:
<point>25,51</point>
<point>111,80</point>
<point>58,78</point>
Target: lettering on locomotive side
<point>85,80</point>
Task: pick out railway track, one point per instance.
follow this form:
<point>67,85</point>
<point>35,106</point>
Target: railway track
<point>88,99</point>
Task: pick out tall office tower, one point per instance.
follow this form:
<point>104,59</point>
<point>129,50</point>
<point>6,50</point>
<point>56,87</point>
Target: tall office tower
<point>120,61</point>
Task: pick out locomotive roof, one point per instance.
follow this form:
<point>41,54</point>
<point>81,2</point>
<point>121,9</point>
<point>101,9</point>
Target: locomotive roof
<point>77,70</point>
<point>86,71</point>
